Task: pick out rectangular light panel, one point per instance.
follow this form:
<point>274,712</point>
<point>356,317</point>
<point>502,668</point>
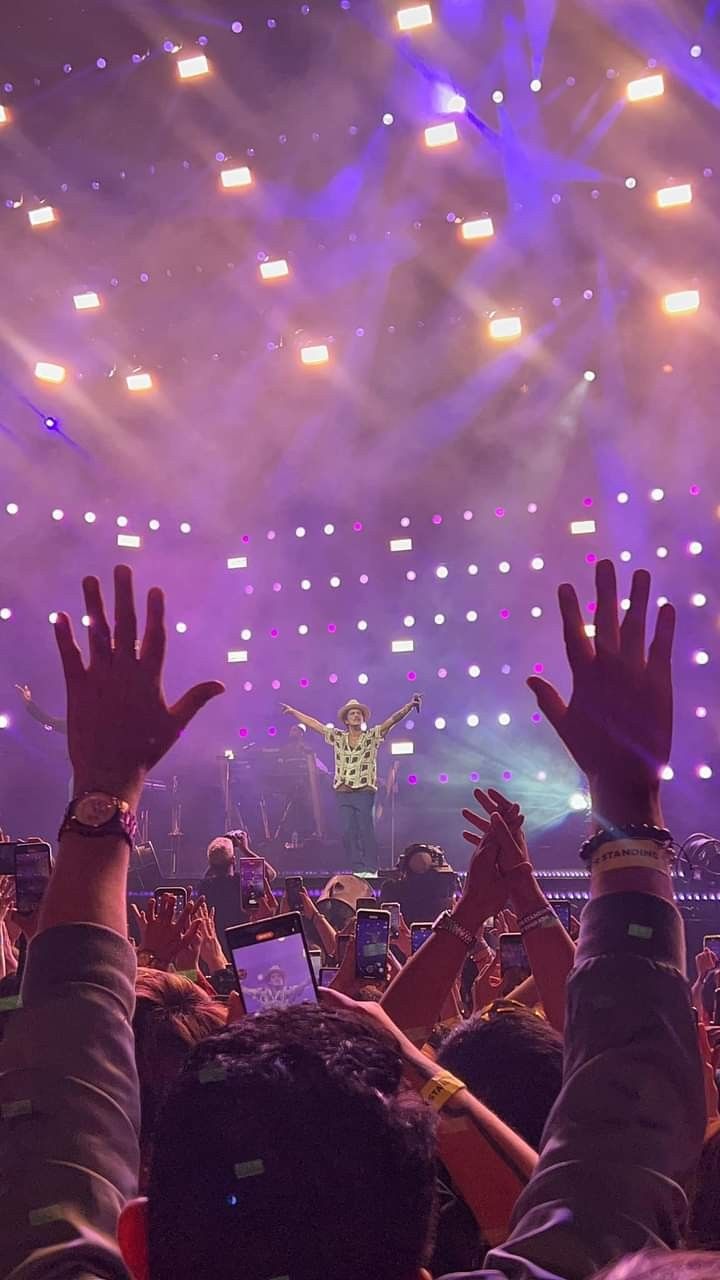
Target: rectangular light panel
<point>420,15</point>
<point>237,562</point>
<point>504,327</point>
<point>678,303</point>
<point>274,270</point>
<point>403,646</point>
<point>477,229</point>
<point>441,135</point>
<point>582,526</point>
<point>129,540</point>
<point>241,177</point>
<point>670,197</point>
<point>188,68</point>
<point>49,372</point>
<point>237,655</point>
<point>315,355</point>
<point>86,301</point>
<point>4,116</point>
<point>401,544</point>
<point>402,748</point>
<point>40,217</point>
<point>647,87</point>
<point>139,381</point>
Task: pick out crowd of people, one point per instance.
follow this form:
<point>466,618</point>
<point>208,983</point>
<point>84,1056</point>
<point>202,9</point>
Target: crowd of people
<point>448,1119</point>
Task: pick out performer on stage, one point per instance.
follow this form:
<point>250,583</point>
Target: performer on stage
<point>355,783</point>
<point>47,721</point>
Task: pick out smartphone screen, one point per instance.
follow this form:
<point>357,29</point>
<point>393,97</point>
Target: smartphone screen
<point>32,873</point>
<point>562,911</point>
<point>179,894</point>
<point>372,936</point>
<point>252,882</point>
<point>711,942</point>
<point>327,976</point>
<point>293,888</point>
<point>272,963</point>
<point>394,909</point>
<point>419,933</point>
<point>513,955</point>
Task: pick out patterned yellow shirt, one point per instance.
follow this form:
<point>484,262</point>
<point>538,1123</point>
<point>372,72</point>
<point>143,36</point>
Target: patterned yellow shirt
<point>355,767</point>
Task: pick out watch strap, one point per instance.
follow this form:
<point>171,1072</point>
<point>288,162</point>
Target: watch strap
<point>123,823</point>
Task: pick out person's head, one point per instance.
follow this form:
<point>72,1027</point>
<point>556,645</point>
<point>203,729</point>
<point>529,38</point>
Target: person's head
<point>703,1191</point>
<point>281,1138</point>
<point>221,857</point>
<point>354,715</point>
<point>172,1015</point>
<point>275,977</point>
<point>656,1264</point>
<point>296,733</point>
<point>512,1062</point>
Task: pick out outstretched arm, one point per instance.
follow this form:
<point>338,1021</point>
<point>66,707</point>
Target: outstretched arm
<point>413,705</point>
<point>309,721</point>
<point>49,722</point>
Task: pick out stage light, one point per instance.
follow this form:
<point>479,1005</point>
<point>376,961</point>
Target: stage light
<point>440,722</point>
<point>622,498</point>
<point>122,522</point>
<point>671,197</point>
<point>246,634</point>
<point>589,630</point>
<point>701,712</point>
<point>52,618</point>
<point>504,566</point>
<point>661,553</point>
<point>12,508</point>
<point>4,115</point>
<point>85,620</point>
<point>441,571</point>
<point>625,604</point>
<point>661,600</point>
<point>300,532</point>
<point>181,628</point>
<point>57,513</point>
<point>471,615</point>
<point>388,118</point>
<point>582,526</point>
<point>237,655</point>
<point>477,229</point>
<point>335,581</point>
<point>190,68</point>
<point>305,584</point>
<point>536,611</point>
<point>439,619</point>
<point>408,620</point>
<point>456,104</point>
<point>361,625</point>
<point>303,629</point>
<point>472,720</point>
<point>401,544</point>
<point>46,372</point>
<point>402,646</point>
<point>535,85</point>
<point>695,50</point>
<point>498,96</point>
<point>704,771</point>
<point>504,327</point>
<point>90,517</point>
<point>315,355</point>
<point>667,773</point>
<point>474,671</point>
<point>647,87</point>
<point>231,179</point>
<point>589,375</point>
<point>441,135</point>
<point>657,495</point>
<point>698,599</point>
<point>473,570</point>
<point>185,527</point>
<point>503,718</point>
<point>139,382</point>
<point>41,217</point>
<point>420,15</point>
<point>701,658</point>
<point>401,749</point>
<point>50,423</point>
<point>578,801</point>
<point>5,614</point>
<point>678,304</point>
<point>537,563</point>
<point>362,678</point>
<point>695,548</point>
<point>626,556</point>
<point>86,301</point>
<point>4,721</point>
<point>129,540</point>
<point>154,525</point>
<point>329,529</point>
<point>274,270</point>
<point>631,183</point>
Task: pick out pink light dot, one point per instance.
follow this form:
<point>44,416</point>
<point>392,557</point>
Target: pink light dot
<point>467,515</point>
<point>249,590</point>
<point>474,777</point>
<point>538,668</point>
<point>274,633</point>
<point>248,686</point>
<point>272,731</point>
<point>357,526</point>
<point>504,613</point>
<point>442,673</point>
<point>411,575</point>
<point>277,586</point>
<point>590,558</point>
<point>412,779</point>
<point>536,717</point>
<point>442,777</point>
<point>499,512</point>
<point>271,534</point>
<point>242,733</point>
<point>332,628</point>
<point>532,508</point>
<point>437,519</point>
<point>275,684</point>
<point>587,502</point>
<point>333,677</point>
<point>412,675</point>
<point>507,775</point>
<point>694,490</point>
<point>592,606</point>
<point>304,682</point>
<point>245,537</point>
<point>364,579</point>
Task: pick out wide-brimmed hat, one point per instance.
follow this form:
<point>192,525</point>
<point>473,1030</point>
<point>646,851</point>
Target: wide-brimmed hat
<point>353,705</point>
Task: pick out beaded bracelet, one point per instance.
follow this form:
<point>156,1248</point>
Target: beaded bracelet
<point>639,831</point>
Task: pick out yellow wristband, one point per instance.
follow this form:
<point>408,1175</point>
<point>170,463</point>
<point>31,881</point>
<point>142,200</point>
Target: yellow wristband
<point>441,1089</point>
<point>619,854</point>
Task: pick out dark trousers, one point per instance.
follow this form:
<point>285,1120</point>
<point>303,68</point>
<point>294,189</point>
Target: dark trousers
<point>358,830</point>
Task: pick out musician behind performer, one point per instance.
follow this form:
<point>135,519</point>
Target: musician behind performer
<point>355,783</point>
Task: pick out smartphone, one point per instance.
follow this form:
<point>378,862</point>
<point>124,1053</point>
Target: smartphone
<point>394,909</point>
<point>711,942</point>
<point>272,963</point>
<point>513,955</point>
<point>180,895</point>
<point>372,938</point>
<point>562,911</point>
<point>419,933</point>
<point>252,882</point>
<point>293,888</point>
<point>316,962</point>
<point>32,873</point>
<point>327,977</point>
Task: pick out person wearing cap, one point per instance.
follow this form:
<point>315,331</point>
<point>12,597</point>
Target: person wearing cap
<point>355,782</point>
<point>221,886</point>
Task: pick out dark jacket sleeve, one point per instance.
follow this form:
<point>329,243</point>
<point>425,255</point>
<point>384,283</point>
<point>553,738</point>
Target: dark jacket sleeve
<point>630,1119</point>
<point>69,1107</point>
<point>50,722</point>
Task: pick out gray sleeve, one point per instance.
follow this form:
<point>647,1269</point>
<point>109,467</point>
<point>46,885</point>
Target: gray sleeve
<point>69,1106</point>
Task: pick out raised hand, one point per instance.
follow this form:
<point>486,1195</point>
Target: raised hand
<point>25,692</point>
<point>492,802</point>
<point>119,724</point>
<point>617,725</point>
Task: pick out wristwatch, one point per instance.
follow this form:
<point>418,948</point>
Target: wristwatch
<point>98,814</point>
<point>448,924</point>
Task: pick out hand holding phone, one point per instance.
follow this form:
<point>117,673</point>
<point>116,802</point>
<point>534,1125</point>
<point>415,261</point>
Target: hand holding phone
<point>419,933</point>
<point>394,909</point>
<point>513,956</point>
<point>711,942</point>
<point>179,894</point>
<point>252,882</point>
<point>272,963</point>
<point>372,939</point>
<point>294,886</point>
<point>32,874</point>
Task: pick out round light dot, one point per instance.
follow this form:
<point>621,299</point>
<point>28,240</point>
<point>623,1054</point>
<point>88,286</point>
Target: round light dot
<point>85,620</point>
<point>695,548</point>
<point>661,553</point>
<point>536,611</point>
<point>437,519</point>
<point>404,522</point>
<point>52,618</point>
<point>473,720</point>
<point>412,675</point>
<point>334,581</point>
<point>246,634</point>
<point>695,50</point>
<point>631,183</point>
<point>537,563</point>
<point>506,668</point>
<point>275,684</point>
<point>467,515</point>
<point>300,532</point>
<point>498,96</point>
<point>578,801</point>
<point>362,678</point>
<point>277,586</point>
<point>701,658</point>
<point>440,722</point>
<point>363,579</point>
<point>408,620</point>
<point>441,571</point>
<point>181,628</point>
<point>473,570</point>
<point>4,721</point>
<point>305,584</point>
<point>333,679</point>
<point>442,777</point>
<point>439,619</point>
<point>89,517</point>
<point>58,513</point>
<point>622,497</point>
<point>5,613</point>
<point>442,673</point>
<point>698,599</point>
<point>657,495</point>
<point>154,525</point>
<point>471,615</point>
<point>667,773</point>
<point>474,671</point>
<point>532,508</point>
<point>362,625</point>
<point>625,556</point>
<point>12,508</point>
<point>122,522</point>
<point>701,712</point>
<point>589,375</point>
<point>185,527</point>
<point>535,85</point>
<point>541,776</point>
<point>625,604</point>
<point>388,118</point>
<point>661,600</point>
<point>504,566</point>
<point>328,529</point>
<point>704,771</point>
<point>303,629</point>
<point>503,718</point>
<point>411,575</point>
<point>412,779</point>
<point>247,686</point>
<point>357,526</point>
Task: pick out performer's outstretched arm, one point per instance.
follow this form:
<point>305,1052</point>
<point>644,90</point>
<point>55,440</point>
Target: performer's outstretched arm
<point>397,716</point>
<point>37,713</point>
<point>309,721</point>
